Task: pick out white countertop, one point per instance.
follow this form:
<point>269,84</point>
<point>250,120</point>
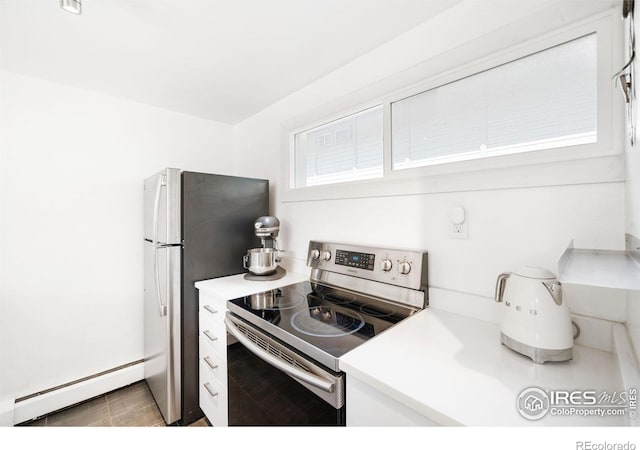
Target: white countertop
<point>234,286</point>
<point>453,370</point>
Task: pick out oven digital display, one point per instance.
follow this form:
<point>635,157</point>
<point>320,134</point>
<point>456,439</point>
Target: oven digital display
<point>355,259</point>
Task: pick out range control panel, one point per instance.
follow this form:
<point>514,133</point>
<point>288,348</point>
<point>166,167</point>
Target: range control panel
<point>359,260</point>
<point>406,268</point>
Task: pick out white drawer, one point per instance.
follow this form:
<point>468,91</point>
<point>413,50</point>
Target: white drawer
<point>216,338</point>
<point>214,322</point>
<point>214,362</point>
<point>213,398</point>
<point>211,314</point>
<point>216,302</point>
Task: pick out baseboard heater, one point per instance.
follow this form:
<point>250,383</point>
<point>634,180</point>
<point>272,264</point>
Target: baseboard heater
<point>38,404</point>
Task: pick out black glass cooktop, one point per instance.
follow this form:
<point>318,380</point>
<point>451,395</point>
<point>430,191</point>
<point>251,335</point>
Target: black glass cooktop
<point>321,322</point>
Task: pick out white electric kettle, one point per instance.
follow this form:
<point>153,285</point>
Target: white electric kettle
<point>536,321</point>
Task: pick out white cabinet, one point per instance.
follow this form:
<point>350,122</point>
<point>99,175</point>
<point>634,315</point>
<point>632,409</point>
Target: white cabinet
<point>213,360</point>
<point>213,339</point>
<point>368,407</point>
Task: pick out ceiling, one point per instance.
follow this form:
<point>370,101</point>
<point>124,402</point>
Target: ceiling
<point>222,60</point>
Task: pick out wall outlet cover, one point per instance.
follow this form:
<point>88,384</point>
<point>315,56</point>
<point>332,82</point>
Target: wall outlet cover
<point>459,231</point>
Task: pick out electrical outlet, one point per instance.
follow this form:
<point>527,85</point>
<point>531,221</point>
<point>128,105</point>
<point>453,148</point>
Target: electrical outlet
<point>459,231</point>
<point>458,224</point>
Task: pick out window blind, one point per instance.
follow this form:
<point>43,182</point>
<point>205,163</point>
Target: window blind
<point>544,100</point>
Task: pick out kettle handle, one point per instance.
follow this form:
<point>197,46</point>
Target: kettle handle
<point>500,285</point>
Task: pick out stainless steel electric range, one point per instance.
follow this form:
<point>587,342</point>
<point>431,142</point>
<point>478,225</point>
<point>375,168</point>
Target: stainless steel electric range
<point>283,364</point>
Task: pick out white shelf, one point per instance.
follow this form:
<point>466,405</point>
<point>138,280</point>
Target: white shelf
<point>618,269</point>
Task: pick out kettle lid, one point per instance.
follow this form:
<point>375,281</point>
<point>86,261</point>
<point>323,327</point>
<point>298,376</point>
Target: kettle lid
<point>534,272</point>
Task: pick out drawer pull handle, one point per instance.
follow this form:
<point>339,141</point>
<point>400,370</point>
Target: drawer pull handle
<point>211,392</point>
<point>211,365</point>
<point>210,309</point>
<point>208,334</point>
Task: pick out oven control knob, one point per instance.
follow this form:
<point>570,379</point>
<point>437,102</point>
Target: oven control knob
<point>315,253</point>
<point>326,255</point>
<point>386,265</point>
<point>405,267</point>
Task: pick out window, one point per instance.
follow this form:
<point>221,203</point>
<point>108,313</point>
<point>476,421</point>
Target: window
<point>347,149</point>
<point>542,101</point>
<point>466,125</point>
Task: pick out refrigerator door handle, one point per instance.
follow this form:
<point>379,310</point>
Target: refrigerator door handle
<point>167,245</point>
<point>156,208</point>
<point>162,307</point>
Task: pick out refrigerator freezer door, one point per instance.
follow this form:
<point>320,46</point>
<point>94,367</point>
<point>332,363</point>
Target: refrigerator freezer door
<point>162,198</point>
<point>162,327</point>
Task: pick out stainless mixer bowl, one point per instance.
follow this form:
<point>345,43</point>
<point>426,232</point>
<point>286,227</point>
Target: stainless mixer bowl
<point>261,261</point>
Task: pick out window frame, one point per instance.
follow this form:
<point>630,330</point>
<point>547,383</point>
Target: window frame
<point>496,172</point>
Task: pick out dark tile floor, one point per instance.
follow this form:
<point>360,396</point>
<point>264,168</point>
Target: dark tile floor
<point>131,406</point>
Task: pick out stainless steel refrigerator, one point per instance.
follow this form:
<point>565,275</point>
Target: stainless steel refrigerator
<point>197,226</point>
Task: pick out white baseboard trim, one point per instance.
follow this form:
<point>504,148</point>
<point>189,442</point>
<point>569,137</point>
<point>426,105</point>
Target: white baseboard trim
<point>56,399</point>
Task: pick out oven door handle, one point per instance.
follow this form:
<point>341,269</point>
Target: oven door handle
<point>299,374</point>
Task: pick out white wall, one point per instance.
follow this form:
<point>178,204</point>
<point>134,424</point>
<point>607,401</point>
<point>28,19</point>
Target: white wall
<point>507,227</point>
<point>71,169</point>
<point>633,210</point>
